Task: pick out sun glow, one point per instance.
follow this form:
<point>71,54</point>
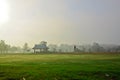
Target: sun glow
<point>4,11</point>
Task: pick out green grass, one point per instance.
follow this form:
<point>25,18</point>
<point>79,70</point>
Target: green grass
<point>60,66</point>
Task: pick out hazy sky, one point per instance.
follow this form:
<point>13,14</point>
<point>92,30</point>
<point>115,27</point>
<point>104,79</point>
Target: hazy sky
<point>61,21</point>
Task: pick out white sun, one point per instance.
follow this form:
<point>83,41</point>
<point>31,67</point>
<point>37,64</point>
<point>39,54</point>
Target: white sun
<point>4,11</point>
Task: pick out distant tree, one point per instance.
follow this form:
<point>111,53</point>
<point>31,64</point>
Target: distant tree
<point>43,43</point>
<point>52,47</point>
<point>83,49</point>
<point>65,48</point>
<point>7,48</point>
<point>76,49</point>
<point>97,48</point>
<point>118,49</point>
<point>25,47</point>
<point>15,49</point>
<point>3,47</point>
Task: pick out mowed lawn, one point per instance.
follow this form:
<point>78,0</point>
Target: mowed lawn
<point>60,66</point>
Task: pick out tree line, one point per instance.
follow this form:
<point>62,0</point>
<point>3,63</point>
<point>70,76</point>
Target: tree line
<point>3,47</point>
<point>6,48</point>
<point>90,48</point>
<point>95,47</point>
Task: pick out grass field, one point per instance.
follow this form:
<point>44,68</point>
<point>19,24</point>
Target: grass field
<point>60,66</point>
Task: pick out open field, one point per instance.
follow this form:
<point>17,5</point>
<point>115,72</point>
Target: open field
<point>59,66</point>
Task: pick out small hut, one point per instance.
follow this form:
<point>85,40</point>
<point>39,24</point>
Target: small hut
<point>42,47</point>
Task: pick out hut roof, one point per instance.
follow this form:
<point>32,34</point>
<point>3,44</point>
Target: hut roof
<point>40,46</point>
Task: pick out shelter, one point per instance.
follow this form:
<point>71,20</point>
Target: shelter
<point>42,47</point>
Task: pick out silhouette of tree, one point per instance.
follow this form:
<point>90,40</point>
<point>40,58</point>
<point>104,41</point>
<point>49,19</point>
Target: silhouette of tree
<point>3,47</point>
<point>25,47</point>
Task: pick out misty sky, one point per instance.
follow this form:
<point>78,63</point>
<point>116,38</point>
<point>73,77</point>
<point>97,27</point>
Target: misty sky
<point>62,21</point>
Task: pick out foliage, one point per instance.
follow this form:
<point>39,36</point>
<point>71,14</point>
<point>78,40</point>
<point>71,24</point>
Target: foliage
<point>25,47</point>
<point>3,47</point>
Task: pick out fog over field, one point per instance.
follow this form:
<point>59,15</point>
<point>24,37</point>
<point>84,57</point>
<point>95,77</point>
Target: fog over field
<point>60,21</point>
<point>59,39</point>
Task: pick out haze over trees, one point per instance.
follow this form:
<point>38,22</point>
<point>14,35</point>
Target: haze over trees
<point>4,47</point>
<point>25,47</point>
<point>95,47</point>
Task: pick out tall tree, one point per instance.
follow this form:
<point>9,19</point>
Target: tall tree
<point>52,47</point>
<point>3,46</point>
<point>25,47</point>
